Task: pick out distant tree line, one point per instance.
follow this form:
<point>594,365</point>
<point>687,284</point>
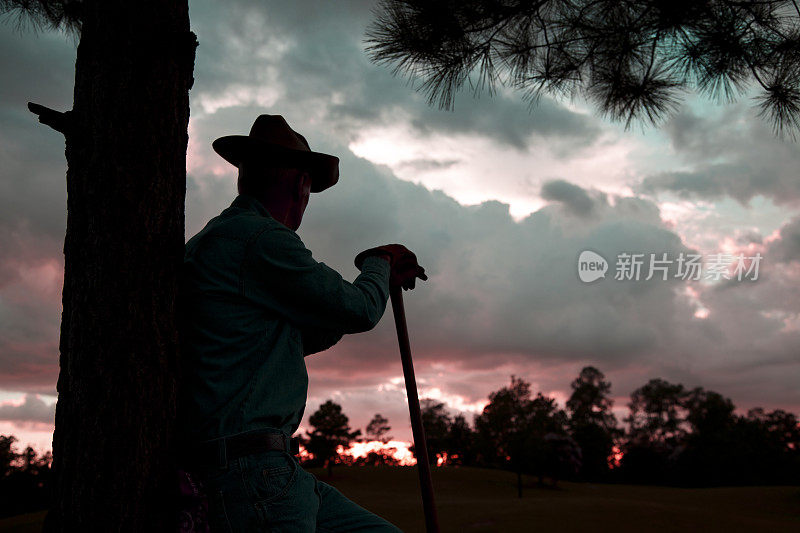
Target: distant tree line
<point>25,479</point>
<point>671,436</point>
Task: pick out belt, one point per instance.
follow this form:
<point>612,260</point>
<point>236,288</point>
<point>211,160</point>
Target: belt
<point>220,451</point>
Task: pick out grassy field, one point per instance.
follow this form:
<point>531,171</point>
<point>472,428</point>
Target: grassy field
<point>472,499</point>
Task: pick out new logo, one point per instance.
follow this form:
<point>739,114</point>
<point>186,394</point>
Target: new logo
<point>591,266</point>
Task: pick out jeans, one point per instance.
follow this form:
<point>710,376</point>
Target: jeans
<point>270,491</point>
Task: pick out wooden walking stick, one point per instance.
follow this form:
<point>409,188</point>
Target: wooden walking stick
<point>421,450</point>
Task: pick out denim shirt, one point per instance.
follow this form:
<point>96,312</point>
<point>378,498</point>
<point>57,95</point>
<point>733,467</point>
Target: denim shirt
<point>253,304</point>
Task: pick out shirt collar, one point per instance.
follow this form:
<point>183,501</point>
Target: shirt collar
<point>250,203</point>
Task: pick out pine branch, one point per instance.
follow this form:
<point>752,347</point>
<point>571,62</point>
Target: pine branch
<point>631,58</point>
<point>39,15</point>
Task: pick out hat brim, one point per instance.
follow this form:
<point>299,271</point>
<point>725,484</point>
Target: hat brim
<point>324,168</point>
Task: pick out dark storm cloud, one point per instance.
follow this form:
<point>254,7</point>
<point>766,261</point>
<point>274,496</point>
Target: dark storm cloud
<point>749,237</point>
<point>574,198</point>
<point>29,366</point>
<point>421,165</point>
<point>32,175</point>
<point>32,409</point>
<point>508,120</point>
<point>317,55</point>
<point>733,155</point>
<point>36,67</point>
<point>787,247</point>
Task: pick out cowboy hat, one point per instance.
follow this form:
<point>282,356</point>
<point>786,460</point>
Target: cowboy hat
<point>273,140</point>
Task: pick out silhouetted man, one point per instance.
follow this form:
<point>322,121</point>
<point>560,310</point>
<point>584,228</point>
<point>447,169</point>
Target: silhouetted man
<point>254,303</point>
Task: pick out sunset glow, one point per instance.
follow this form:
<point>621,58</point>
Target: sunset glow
<point>615,459</point>
<point>304,454</point>
<point>395,448</point>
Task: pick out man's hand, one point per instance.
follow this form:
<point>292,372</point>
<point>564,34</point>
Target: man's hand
<point>404,267</point>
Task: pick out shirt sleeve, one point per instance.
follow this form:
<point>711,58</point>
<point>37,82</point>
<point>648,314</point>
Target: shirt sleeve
<point>317,340</point>
<point>280,274</point>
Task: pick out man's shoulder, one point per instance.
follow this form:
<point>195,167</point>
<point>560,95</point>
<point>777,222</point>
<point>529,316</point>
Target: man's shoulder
<point>277,239</point>
<point>248,225</point>
<point>241,226</point>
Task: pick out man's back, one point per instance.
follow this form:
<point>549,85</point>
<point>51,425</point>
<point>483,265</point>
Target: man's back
<point>254,303</point>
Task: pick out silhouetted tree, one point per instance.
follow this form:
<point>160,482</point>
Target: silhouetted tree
<point>331,429</point>
<point>592,424</point>
<point>562,457</point>
<point>655,431</point>
<point>7,454</point>
<point>632,59</point>
<point>590,402</point>
<point>709,454</point>
<point>378,428</point>
<point>546,441</point>
<point>126,138</point>
<point>768,444</point>
<point>656,413</point>
<point>460,442</point>
<point>781,425</point>
<point>722,448</point>
<point>708,412</point>
<point>26,482</point>
<point>436,423</point>
<point>695,438</point>
<point>504,426</point>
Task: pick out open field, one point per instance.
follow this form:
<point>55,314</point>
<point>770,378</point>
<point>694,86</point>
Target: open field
<point>472,499</point>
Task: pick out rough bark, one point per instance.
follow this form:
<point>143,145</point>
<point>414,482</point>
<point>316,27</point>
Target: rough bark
<point>126,184</point>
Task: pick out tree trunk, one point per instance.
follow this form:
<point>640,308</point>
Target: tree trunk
<point>126,184</point>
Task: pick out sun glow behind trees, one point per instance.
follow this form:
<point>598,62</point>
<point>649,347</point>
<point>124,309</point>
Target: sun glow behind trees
<point>396,449</point>
<point>399,451</point>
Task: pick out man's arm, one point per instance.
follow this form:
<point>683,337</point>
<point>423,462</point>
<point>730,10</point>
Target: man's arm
<point>280,273</point>
<point>317,340</point>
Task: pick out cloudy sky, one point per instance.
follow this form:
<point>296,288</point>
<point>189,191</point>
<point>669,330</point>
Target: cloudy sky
<point>497,200</point>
